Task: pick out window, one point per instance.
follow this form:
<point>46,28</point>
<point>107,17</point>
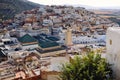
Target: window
<point>110,42</point>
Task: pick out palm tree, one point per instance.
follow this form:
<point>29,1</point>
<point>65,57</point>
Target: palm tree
<point>88,67</point>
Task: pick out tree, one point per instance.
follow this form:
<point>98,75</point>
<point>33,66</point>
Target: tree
<point>88,67</point>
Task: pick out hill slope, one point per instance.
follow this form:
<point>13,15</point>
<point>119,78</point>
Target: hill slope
<point>8,8</point>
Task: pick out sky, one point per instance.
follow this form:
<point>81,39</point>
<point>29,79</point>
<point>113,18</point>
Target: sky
<point>92,3</point>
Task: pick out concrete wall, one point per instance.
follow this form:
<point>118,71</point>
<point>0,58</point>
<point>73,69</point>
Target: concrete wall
<point>50,75</point>
<point>30,46</point>
<point>50,48</point>
<point>113,49</point>
<point>53,77</point>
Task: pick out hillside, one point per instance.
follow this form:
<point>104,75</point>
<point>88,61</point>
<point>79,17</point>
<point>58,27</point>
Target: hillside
<point>79,19</point>
<point>8,8</point>
<point>111,14</point>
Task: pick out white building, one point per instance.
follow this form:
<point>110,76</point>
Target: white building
<point>47,22</point>
<point>96,39</point>
<point>17,54</point>
<point>59,11</point>
<point>86,40</point>
<point>113,49</point>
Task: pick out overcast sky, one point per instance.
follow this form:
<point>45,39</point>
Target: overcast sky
<point>93,3</point>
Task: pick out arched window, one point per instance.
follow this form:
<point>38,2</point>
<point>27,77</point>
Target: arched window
<point>110,42</point>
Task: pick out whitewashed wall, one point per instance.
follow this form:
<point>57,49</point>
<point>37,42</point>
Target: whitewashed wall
<point>113,49</point>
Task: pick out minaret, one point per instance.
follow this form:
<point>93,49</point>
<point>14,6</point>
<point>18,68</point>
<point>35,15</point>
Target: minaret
<point>68,37</point>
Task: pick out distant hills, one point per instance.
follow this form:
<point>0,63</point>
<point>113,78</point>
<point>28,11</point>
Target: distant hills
<point>111,14</point>
<point>101,8</point>
<point>8,8</point>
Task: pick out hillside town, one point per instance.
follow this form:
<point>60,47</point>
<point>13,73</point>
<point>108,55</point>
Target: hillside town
<point>36,42</point>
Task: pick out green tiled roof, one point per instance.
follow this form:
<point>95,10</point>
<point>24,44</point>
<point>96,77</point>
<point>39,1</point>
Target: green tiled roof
<point>27,39</point>
<point>46,41</point>
<point>52,38</point>
<point>2,55</point>
<point>48,44</point>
